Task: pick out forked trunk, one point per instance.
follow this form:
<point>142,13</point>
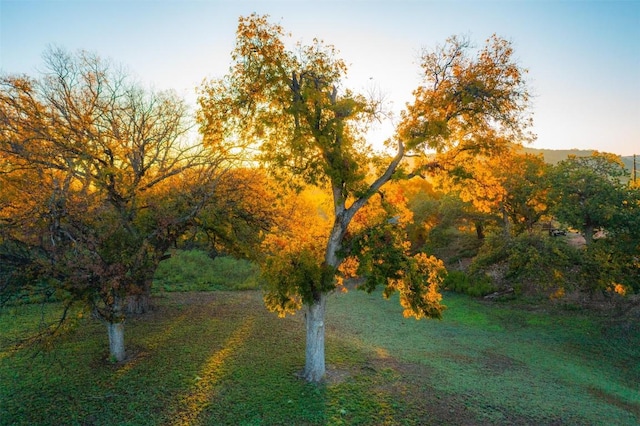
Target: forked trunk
<point>314,368</point>
<point>116,341</point>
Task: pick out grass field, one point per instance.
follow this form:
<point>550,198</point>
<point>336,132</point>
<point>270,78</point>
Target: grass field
<point>219,358</point>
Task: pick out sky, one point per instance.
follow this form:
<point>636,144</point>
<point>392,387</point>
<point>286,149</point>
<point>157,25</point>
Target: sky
<point>582,56</point>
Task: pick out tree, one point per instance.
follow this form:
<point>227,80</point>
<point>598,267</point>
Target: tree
<point>511,186</point>
<point>468,109</point>
<point>587,193</point>
<point>308,129</point>
<point>466,106</point>
<point>590,194</point>
<point>526,190</point>
<point>97,181</point>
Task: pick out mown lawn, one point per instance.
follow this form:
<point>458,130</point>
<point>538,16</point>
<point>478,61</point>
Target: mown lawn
<point>219,358</point>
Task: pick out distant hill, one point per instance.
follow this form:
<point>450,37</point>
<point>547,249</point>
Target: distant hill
<point>554,156</point>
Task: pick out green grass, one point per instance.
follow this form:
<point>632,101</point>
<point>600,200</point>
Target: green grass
<point>219,358</point>
<point>508,364</point>
<point>194,270</point>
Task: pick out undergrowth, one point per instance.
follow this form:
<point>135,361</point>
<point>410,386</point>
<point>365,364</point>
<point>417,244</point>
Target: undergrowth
<point>476,286</point>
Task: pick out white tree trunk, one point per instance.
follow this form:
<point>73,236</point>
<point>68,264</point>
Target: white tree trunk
<point>314,368</point>
<point>116,340</point>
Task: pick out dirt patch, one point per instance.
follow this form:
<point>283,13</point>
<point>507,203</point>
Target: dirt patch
<point>426,404</point>
<point>336,376</point>
<point>615,400</point>
<point>575,239</point>
<point>497,363</point>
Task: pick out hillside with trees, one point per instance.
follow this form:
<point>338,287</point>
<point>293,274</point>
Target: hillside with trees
<point>554,156</point>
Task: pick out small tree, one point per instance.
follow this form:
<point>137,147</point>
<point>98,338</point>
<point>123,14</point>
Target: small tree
<point>587,193</point>
<point>308,130</point>
<point>510,186</point>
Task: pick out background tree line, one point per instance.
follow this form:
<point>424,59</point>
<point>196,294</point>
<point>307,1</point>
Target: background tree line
<point>517,200</point>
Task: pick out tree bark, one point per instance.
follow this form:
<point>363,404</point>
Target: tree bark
<point>139,302</point>
<point>588,234</point>
<point>314,369</point>
<point>116,340</point>
<point>115,329</point>
<point>479,230</point>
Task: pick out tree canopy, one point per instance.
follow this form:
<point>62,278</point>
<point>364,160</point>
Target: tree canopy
<point>98,181</point>
<point>588,193</point>
<point>291,105</point>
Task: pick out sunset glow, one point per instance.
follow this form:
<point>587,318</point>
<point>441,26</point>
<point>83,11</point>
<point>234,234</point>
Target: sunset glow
<point>583,57</point>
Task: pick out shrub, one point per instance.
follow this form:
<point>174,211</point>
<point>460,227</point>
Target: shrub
<point>476,286</point>
<point>530,263</point>
<point>604,265</point>
<point>451,244</point>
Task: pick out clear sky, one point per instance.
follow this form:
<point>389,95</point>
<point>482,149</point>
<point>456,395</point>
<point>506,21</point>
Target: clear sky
<point>583,56</point>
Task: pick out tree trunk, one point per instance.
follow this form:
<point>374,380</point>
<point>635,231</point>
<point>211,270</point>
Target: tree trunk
<point>116,340</point>
<point>115,328</point>
<point>314,368</point>
<point>139,302</point>
<point>588,234</point>
<point>479,230</point>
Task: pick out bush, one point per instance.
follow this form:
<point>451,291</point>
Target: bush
<point>530,263</point>
<point>476,286</point>
<point>604,266</point>
<point>451,244</point>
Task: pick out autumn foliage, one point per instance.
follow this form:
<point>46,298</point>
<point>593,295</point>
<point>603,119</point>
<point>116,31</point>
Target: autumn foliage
<point>99,181</point>
<point>100,178</point>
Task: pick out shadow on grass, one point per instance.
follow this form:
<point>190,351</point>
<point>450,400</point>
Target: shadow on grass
<point>219,358</point>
